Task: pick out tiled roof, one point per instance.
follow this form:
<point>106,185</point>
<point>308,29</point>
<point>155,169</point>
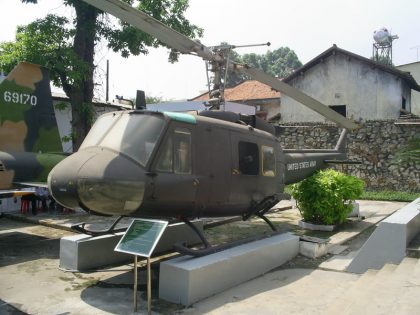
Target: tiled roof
<point>247,90</point>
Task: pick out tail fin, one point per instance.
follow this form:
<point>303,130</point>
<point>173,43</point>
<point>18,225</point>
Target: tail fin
<point>27,120</point>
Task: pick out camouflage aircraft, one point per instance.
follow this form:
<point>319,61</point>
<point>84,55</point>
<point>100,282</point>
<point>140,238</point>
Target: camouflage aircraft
<point>30,144</point>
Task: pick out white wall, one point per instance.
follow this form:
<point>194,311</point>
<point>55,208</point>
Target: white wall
<point>414,69</point>
<point>367,92</point>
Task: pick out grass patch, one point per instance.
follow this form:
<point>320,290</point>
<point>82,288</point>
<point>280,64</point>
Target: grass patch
<point>388,195</point>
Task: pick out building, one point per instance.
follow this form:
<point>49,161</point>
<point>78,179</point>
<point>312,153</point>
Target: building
<point>251,92</point>
<point>414,70</point>
<point>354,86</point>
<point>62,110</point>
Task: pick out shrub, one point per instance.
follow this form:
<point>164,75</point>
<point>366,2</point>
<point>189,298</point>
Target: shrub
<point>325,197</point>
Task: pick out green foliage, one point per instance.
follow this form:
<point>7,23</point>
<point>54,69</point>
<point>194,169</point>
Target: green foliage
<point>278,63</point>
<point>388,195</point>
<point>67,138</point>
<point>324,197</point>
<point>409,153</point>
<point>47,42</point>
<point>154,99</point>
<point>88,111</point>
<point>127,39</point>
<point>61,106</point>
<point>384,60</point>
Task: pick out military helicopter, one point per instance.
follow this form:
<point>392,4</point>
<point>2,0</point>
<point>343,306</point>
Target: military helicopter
<point>140,163</point>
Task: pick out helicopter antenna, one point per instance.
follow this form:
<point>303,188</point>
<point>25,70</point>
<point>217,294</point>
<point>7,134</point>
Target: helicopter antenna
<point>215,56</point>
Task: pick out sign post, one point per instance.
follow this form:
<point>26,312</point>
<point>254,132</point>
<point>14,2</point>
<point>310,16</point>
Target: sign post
<point>140,239</point>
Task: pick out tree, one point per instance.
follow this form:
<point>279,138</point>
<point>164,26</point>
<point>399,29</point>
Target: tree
<point>67,48</point>
<point>382,59</point>
<point>278,63</point>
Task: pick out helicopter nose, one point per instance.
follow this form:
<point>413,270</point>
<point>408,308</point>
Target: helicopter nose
<point>99,180</point>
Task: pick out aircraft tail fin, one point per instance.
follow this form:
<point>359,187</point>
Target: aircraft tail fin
<point>27,120</point>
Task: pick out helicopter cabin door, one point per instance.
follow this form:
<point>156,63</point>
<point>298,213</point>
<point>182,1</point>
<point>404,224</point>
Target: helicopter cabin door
<point>175,185</point>
<point>218,172</point>
<point>245,170</point>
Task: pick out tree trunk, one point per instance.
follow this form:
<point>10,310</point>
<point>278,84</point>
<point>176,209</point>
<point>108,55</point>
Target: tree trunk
<point>81,93</point>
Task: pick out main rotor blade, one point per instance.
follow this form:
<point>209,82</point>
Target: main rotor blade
<point>297,95</point>
<point>151,26</point>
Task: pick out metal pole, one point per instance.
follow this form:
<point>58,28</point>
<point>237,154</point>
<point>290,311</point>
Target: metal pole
<point>107,81</point>
<point>149,288</point>
<point>135,283</point>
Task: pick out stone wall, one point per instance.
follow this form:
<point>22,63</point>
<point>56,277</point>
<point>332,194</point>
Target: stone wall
<point>374,145</point>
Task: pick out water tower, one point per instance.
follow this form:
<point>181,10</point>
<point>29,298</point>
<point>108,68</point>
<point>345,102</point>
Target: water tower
<point>382,46</point>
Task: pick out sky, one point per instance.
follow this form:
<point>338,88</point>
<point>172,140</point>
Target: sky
<point>309,27</point>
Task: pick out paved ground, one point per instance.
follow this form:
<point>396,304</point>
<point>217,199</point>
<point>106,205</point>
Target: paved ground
<point>31,282</point>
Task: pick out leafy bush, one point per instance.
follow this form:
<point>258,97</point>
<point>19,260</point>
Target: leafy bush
<point>324,198</point>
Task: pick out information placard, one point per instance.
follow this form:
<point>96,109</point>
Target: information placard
<point>141,237</point>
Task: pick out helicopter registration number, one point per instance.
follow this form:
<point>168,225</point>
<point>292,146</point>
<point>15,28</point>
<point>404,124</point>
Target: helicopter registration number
<point>300,165</point>
<point>21,98</point>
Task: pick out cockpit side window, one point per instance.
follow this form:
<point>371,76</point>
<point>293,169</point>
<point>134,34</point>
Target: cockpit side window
<point>99,129</point>
<point>176,153</point>
<point>165,162</point>
<point>182,151</point>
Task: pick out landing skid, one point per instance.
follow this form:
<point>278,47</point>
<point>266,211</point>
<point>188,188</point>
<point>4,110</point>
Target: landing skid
<point>80,227</point>
<point>259,210</point>
<point>184,250</point>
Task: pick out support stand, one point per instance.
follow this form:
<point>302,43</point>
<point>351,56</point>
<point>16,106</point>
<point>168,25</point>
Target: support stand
<point>135,283</point>
<point>141,239</point>
<point>149,285</point>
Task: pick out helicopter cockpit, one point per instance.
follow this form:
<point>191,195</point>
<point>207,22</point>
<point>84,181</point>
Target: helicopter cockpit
<point>132,134</point>
<point>110,172</point>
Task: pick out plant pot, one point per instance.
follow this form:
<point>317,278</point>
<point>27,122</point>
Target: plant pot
<point>355,212</point>
<point>316,227</point>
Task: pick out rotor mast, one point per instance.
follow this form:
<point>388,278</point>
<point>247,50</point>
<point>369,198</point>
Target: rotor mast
<point>220,69</point>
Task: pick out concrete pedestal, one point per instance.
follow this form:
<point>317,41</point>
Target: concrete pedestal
<point>83,252</point>
<point>186,280</point>
<point>388,243</point>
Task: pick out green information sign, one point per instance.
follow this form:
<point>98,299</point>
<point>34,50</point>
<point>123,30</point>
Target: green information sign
<point>141,237</point>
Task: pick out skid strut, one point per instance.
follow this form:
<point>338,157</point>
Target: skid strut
<point>80,227</point>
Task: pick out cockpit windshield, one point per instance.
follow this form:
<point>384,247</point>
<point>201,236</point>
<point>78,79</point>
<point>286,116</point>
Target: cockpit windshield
<point>132,134</point>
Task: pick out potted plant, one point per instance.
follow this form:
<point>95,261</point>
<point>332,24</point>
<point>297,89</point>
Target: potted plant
<point>326,197</point>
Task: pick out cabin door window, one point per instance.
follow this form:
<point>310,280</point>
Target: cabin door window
<point>248,158</point>
<point>268,160</point>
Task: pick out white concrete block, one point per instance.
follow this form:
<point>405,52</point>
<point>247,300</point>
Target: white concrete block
<point>186,280</point>
<point>82,252</point>
<point>313,250</point>
<point>389,241</point>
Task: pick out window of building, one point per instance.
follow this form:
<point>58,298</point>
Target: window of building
<point>341,109</point>
<point>248,158</point>
<point>268,161</point>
